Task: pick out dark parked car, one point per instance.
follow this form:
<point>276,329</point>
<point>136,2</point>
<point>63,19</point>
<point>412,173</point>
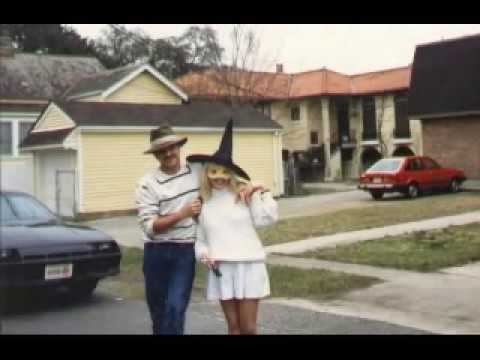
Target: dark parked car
<point>411,176</point>
<point>38,250</point>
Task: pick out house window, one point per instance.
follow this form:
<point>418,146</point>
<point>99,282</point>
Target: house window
<point>369,119</point>
<point>314,137</point>
<point>295,113</point>
<point>6,138</point>
<point>402,124</point>
<point>23,131</point>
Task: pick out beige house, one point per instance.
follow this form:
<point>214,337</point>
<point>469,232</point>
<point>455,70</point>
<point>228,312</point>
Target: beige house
<point>338,123</point>
<point>88,148</point>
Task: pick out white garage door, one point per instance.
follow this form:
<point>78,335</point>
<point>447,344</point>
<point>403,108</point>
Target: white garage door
<point>57,181</point>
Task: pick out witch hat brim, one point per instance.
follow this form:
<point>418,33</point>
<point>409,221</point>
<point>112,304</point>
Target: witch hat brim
<point>223,156</point>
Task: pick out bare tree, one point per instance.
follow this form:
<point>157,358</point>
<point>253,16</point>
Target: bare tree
<point>241,78</point>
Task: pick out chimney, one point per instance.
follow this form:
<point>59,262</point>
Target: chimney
<point>279,68</point>
<point>6,44</point>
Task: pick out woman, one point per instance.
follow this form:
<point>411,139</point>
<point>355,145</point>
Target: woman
<point>227,241</point>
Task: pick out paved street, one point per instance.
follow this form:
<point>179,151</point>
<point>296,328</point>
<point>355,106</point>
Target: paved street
<point>106,315</point>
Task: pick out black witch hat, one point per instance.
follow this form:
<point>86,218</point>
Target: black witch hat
<point>223,156</point>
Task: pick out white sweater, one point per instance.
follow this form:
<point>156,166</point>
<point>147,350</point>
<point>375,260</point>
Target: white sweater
<point>226,228</point>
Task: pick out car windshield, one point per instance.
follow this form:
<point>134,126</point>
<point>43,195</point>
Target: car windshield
<point>386,165</point>
<point>21,209</point>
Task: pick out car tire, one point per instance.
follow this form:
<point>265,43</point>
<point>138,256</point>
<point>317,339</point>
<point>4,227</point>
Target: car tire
<point>413,191</point>
<point>83,289</point>
<point>454,186</point>
<point>376,195</point>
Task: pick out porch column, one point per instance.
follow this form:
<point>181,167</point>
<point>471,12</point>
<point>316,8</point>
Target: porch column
<point>326,135</point>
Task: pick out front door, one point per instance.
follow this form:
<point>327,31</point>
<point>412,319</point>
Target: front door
<point>65,193</point>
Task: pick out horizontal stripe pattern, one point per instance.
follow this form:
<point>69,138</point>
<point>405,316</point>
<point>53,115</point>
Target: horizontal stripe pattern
<point>158,195</point>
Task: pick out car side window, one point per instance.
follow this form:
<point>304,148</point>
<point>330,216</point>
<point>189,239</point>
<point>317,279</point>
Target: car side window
<point>430,164</point>
<point>414,165</point>
<point>6,212</point>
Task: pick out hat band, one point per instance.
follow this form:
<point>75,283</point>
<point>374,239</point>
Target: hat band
<point>165,139</point>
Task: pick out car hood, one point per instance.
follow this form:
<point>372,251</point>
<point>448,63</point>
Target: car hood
<point>22,237</point>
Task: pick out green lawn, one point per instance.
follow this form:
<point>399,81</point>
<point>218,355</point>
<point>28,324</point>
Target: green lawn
<point>420,251</point>
<point>382,213</point>
<point>284,281</point>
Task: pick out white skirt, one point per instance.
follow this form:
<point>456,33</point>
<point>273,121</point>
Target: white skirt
<point>239,280</point>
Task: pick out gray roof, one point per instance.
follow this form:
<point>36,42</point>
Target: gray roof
<point>43,77</point>
<point>101,81</point>
<point>53,137</point>
<point>193,114</point>
<point>446,78</point>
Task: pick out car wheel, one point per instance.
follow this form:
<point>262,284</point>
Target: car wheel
<point>83,289</point>
<point>412,191</point>
<point>454,186</point>
<point>377,195</point>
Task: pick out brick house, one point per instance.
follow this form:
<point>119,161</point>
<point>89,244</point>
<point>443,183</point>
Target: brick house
<point>445,96</point>
<point>337,123</point>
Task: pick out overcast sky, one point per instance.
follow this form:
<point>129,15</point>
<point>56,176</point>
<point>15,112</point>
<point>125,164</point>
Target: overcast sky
<point>345,48</point>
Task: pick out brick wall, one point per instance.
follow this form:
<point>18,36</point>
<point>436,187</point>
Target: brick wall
<point>454,142</point>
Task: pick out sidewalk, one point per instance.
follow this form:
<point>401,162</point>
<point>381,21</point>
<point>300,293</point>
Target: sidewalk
<point>471,185</point>
<point>337,186</point>
<point>443,302</point>
<point>321,242</point>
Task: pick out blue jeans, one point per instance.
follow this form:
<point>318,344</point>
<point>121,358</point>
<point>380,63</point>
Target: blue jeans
<point>169,270</point>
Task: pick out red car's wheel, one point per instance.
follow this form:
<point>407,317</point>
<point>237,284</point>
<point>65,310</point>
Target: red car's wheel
<point>377,195</point>
<point>454,186</point>
<point>413,191</point>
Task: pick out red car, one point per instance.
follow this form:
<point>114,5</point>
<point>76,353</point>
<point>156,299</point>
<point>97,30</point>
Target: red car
<point>409,175</point>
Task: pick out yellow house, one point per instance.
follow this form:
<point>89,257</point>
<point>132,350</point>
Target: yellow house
<point>88,150</point>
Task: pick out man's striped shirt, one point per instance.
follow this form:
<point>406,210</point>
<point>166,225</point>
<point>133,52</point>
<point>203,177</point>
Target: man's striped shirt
<point>158,193</point>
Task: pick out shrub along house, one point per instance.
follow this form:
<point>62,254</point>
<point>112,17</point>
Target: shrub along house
<point>88,147</point>
<point>341,122</point>
<point>445,96</point>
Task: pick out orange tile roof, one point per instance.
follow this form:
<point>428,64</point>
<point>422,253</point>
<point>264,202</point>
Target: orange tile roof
<point>381,81</point>
<point>218,83</point>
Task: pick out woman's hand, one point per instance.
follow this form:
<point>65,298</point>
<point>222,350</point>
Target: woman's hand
<point>246,191</point>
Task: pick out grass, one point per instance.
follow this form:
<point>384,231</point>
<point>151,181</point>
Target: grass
<point>422,251</point>
<point>382,213</point>
<point>284,281</point>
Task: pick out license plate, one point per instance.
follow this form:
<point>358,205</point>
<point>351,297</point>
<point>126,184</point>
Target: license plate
<point>377,180</point>
<point>58,271</point>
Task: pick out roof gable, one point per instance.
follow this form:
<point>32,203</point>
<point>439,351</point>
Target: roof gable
<point>108,82</point>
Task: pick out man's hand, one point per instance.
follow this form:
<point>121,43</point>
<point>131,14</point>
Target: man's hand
<point>191,209</point>
<point>246,191</point>
<point>206,260</point>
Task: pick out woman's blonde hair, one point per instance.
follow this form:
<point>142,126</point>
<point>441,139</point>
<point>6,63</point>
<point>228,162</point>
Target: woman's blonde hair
<point>205,188</point>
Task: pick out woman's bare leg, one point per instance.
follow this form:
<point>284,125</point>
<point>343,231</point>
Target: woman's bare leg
<point>248,311</point>
<point>229,308</point>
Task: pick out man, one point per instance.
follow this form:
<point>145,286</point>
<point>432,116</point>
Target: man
<point>168,204</point>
